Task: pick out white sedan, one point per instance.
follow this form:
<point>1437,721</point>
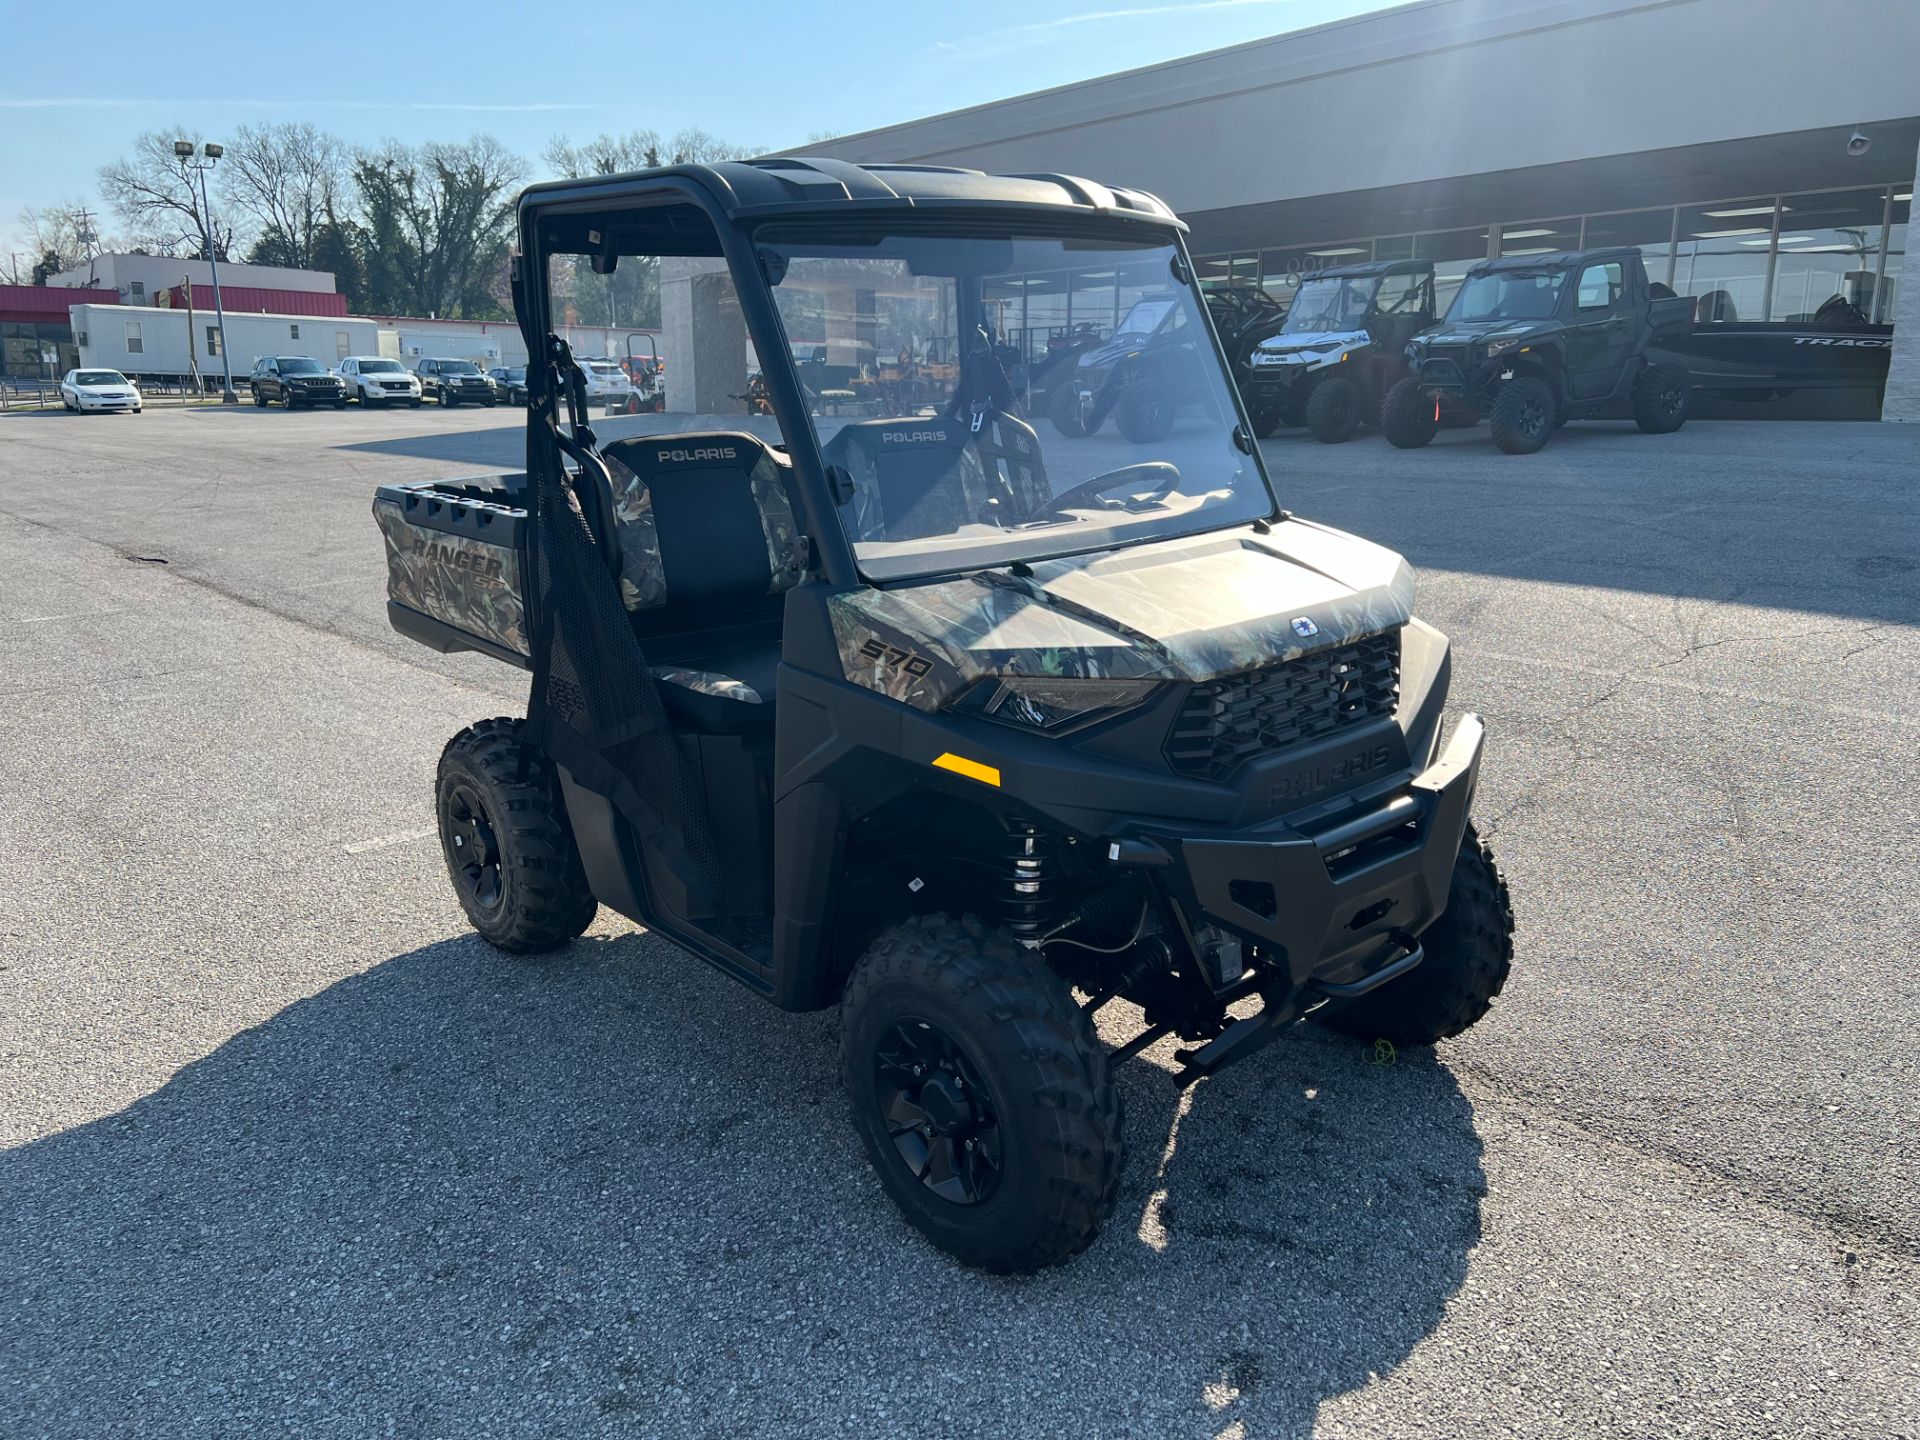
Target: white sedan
<point>84,390</point>
<point>607,384</point>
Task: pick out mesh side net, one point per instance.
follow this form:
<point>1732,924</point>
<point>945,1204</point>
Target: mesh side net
<point>594,708</point>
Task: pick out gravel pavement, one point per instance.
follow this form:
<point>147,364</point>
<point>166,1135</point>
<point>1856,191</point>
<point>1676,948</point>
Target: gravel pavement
<point>285,1151</point>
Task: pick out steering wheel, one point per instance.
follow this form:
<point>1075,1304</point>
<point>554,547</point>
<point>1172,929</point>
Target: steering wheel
<point>1086,495</point>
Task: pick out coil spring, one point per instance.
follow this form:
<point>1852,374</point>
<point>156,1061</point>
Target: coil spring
<point>1030,873</point>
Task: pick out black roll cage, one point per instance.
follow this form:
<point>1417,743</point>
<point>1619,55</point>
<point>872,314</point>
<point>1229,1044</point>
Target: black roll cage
<point>736,227</point>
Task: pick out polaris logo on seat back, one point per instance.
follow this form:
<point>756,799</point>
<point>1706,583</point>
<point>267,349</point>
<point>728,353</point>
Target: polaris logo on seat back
<point>481,567</point>
<point>915,437</point>
<point>701,452</point>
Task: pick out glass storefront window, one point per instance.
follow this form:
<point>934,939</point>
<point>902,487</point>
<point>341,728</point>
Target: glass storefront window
<point>1453,252</point>
<point>1896,252</point>
<point>1281,271</point>
<point>1829,257</point>
<point>1648,231</point>
<point>1393,247</point>
<point>1721,259</point>
<point>1538,237</point>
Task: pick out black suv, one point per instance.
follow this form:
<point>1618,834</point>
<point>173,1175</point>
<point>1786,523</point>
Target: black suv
<point>456,382</point>
<point>510,381</point>
<point>296,380</point>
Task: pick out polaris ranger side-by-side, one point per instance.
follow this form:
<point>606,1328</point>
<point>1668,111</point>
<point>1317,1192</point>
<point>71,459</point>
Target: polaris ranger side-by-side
<point>1342,347</point>
<point>1533,341</point>
<point>970,734</point>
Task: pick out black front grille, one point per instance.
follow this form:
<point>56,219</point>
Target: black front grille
<point>1224,723</point>
<point>1444,369</point>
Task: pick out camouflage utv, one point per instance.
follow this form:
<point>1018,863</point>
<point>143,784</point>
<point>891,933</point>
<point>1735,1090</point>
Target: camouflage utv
<point>911,714</point>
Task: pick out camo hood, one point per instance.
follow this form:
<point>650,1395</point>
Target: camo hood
<point>1190,609</point>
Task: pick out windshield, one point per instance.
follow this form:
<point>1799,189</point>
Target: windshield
<point>99,377</point>
<point>380,367</point>
<point>298,365</point>
<point>1332,303</point>
<point>1508,295</point>
<point>458,367</point>
<point>924,359</point>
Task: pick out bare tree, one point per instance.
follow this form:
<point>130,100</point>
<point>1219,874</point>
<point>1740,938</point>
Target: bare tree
<point>61,236</point>
<point>639,150</point>
<point>157,197</point>
<point>286,178</point>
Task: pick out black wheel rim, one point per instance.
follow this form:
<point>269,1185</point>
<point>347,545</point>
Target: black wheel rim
<point>1671,398</point>
<point>1534,415</point>
<point>474,849</point>
<point>943,1123</point>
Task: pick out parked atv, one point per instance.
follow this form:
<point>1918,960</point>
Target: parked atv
<point>1340,349</point>
<point>1533,341</point>
<point>1141,376</point>
<point>916,716</point>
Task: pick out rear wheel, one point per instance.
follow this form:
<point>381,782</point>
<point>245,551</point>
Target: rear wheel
<point>1522,415</point>
<point>507,840</point>
<point>258,398</point>
<point>1333,410</point>
<point>1144,414</point>
<point>1662,398</point>
<point>981,1094</point>
<point>1064,408</point>
<point>1407,416</point>
<point>1469,953</point>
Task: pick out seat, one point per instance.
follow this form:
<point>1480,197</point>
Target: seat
<point>919,476</point>
<point>708,548</point>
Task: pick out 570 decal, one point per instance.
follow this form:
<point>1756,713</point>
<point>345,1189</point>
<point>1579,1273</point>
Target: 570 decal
<point>894,658</point>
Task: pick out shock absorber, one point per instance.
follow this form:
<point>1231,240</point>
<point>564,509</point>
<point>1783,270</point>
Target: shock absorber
<point>1030,870</point>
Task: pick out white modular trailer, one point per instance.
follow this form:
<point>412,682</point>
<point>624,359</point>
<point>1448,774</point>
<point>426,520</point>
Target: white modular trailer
<point>144,340</point>
<point>488,343</point>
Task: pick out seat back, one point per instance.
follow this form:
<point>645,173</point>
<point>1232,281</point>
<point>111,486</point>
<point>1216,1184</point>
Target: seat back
<point>920,476</point>
<point>707,533</point>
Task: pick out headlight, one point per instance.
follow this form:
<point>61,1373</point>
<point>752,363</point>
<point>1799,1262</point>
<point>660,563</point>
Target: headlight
<point>1049,703</point>
<point>1497,347</point>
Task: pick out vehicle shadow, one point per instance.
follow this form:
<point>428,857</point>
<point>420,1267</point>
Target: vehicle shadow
<point>460,1194</point>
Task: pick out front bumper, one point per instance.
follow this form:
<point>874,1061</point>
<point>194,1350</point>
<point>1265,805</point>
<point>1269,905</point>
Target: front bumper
<point>101,402</point>
<point>1335,903</point>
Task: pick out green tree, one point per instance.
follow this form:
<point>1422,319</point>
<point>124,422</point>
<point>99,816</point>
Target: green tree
<point>436,222</point>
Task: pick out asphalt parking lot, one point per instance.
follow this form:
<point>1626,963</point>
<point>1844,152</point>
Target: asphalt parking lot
<point>286,1152</point>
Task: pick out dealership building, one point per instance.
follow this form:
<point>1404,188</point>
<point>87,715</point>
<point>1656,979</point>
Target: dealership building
<point>1760,154</point>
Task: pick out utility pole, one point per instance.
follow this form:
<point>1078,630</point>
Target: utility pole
<point>183,151</point>
<point>84,233</point>
<point>193,358</point>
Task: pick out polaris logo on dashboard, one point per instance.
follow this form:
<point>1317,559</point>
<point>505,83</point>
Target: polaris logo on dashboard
<point>916,437</point>
<point>1836,340</point>
<point>704,452</point>
<point>1312,779</point>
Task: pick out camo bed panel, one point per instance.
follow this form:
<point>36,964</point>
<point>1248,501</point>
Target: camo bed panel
<point>470,584</point>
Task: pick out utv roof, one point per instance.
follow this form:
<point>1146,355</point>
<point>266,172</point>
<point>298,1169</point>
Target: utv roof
<point>1365,268</point>
<point>783,185</point>
<point>1555,259</point>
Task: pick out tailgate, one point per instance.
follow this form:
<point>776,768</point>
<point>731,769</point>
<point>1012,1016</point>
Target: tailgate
<point>456,553</point>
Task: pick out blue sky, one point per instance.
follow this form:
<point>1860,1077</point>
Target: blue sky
<point>76,91</point>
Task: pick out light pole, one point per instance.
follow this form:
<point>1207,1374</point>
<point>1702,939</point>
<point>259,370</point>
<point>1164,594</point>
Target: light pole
<point>183,151</point>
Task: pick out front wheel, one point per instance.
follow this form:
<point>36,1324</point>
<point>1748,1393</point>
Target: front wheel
<point>1409,417</point>
<point>449,401</point>
<point>507,840</point>
<point>981,1094</point>
<point>1469,953</point>
<point>1522,415</point>
<point>1662,398</point>
<point>1067,410</point>
<point>1333,410</point>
